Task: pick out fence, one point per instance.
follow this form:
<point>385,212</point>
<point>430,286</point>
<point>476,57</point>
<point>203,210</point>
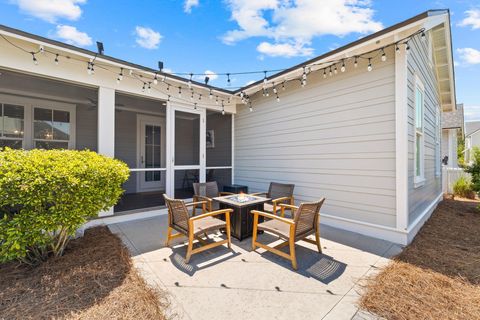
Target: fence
<point>449,176</point>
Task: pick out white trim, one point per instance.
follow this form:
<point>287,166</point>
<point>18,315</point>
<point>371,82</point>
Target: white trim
<point>419,180</point>
<point>417,224</point>
<point>233,149</point>
<point>219,168</point>
<point>401,140</point>
<point>147,169</point>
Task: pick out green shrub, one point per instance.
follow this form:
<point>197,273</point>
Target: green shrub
<point>46,195</point>
<point>463,188</point>
<point>474,169</point>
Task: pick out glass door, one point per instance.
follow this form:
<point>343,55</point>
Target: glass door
<point>152,138</point>
<point>188,155</point>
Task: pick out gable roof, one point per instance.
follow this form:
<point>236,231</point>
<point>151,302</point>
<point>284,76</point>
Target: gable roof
<point>471,127</point>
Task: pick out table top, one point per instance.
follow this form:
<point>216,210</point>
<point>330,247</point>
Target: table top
<point>239,200</point>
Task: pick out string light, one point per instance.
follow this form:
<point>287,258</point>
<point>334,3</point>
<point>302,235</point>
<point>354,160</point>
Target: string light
<point>195,106</point>
<point>278,98</point>
<point>384,56</point>
<point>335,71</point>
<point>369,68</point>
<point>423,36</point>
<point>228,80</point>
<point>397,48</point>
<point>155,79</point>
<point>265,80</point>
<point>343,68</point>
<point>216,99</point>
<point>35,61</point>
<point>190,80</point>
<point>210,95</point>
<point>355,63</point>
<point>149,88</point>
<point>324,73</point>
<point>191,97</point>
<point>179,92</point>
<point>407,47</point>
<point>199,97</point>
<point>223,109</point>
<point>330,71</point>
<point>120,75</point>
<point>56,59</point>
<point>283,85</point>
<point>250,107</point>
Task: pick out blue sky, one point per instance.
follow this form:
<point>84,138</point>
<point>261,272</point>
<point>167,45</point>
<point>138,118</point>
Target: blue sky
<point>240,35</point>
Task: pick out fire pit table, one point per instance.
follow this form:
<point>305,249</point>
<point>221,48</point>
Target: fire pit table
<point>240,219</point>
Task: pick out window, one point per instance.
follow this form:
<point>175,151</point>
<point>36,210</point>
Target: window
<point>51,128</point>
<point>11,126</point>
<point>419,160</point>
<point>437,142</point>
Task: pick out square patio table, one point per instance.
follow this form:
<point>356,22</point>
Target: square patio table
<point>241,220</point>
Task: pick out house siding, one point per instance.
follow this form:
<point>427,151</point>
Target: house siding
<point>86,123</point>
<point>419,64</point>
<point>335,138</point>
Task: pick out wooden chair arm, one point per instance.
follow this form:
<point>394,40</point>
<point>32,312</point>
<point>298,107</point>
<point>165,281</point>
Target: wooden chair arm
<point>258,193</point>
<point>272,216</point>
<point>195,203</point>
<point>281,199</point>
<point>288,206</point>
<point>224,193</point>
<point>211,214</point>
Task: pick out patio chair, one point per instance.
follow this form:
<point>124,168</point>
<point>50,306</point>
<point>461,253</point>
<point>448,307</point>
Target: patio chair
<point>278,193</point>
<point>205,192</point>
<point>193,226</point>
<point>303,224</point>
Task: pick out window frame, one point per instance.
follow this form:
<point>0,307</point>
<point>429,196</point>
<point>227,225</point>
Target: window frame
<point>4,102</point>
<point>419,180</point>
<point>29,104</point>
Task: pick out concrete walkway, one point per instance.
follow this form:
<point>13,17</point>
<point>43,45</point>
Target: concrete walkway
<point>242,284</point>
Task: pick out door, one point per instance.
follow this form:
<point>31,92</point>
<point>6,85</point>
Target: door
<point>151,142</point>
<point>188,150</point>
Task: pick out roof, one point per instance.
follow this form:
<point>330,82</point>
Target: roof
<point>453,119</point>
<point>350,45</point>
<point>471,127</point>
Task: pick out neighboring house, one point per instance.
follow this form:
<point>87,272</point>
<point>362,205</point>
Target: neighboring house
<point>367,137</point>
<point>472,138</point>
<point>452,130</point>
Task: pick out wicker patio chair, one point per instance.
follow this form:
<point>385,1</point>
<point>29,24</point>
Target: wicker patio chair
<point>193,226</point>
<point>303,224</point>
<point>279,193</point>
<point>205,192</point>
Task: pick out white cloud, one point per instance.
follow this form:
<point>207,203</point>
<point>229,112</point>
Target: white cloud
<point>472,19</point>
<point>51,10</point>
<point>469,55</point>
<point>471,113</point>
<point>293,23</point>
<point>249,82</point>
<point>189,4</point>
<point>284,49</point>
<point>167,70</point>
<point>72,36</point>
<point>147,37</point>
<point>212,75</point>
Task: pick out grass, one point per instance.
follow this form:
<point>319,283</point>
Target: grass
<point>95,279</point>
<point>438,275</point>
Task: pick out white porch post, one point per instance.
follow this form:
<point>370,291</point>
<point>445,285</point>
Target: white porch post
<point>106,127</point>
<point>401,140</point>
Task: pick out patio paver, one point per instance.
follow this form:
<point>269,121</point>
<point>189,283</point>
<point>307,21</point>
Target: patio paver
<point>241,284</point>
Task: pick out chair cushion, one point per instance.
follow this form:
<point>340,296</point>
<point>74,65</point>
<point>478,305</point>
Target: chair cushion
<point>207,224</point>
<point>277,227</point>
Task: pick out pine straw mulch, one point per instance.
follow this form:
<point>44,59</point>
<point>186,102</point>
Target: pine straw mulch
<point>95,279</point>
<point>438,275</point>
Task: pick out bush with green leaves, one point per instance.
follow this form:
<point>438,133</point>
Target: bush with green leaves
<point>46,195</point>
<point>474,169</point>
<point>463,188</point>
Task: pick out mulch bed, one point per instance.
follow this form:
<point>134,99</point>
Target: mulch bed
<point>438,275</point>
<point>95,279</point>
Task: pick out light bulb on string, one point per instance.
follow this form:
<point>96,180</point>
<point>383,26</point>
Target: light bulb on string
<point>250,107</point>
<point>216,99</point>
<point>155,79</point>
<point>304,76</point>
<point>199,97</point>
<point>130,72</point>
<point>355,62</point>
<point>283,85</point>
<point>120,75</point>
<point>343,68</point>
<point>143,88</point>
<point>168,87</point>
<point>34,59</point>
<point>195,106</point>
<point>168,98</point>
<point>190,80</point>
<point>407,47</point>
<point>241,94</point>
<point>384,56</point>
<point>265,78</point>
<point>397,48</point>
<point>191,96</point>
<point>56,59</point>
<point>223,109</point>
<point>210,95</point>
<point>369,68</point>
<point>423,36</point>
<point>229,83</point>
<point>179,92</point>
<point>324,73</point>
<point>335,70</point>
<point>330,71</point>
<point>278,98</point>
<point>149,88</point>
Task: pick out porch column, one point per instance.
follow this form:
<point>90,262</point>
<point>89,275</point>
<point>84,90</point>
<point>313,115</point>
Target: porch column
<point>106,128</point>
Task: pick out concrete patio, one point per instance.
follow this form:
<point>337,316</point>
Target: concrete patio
<point>241,284</point>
